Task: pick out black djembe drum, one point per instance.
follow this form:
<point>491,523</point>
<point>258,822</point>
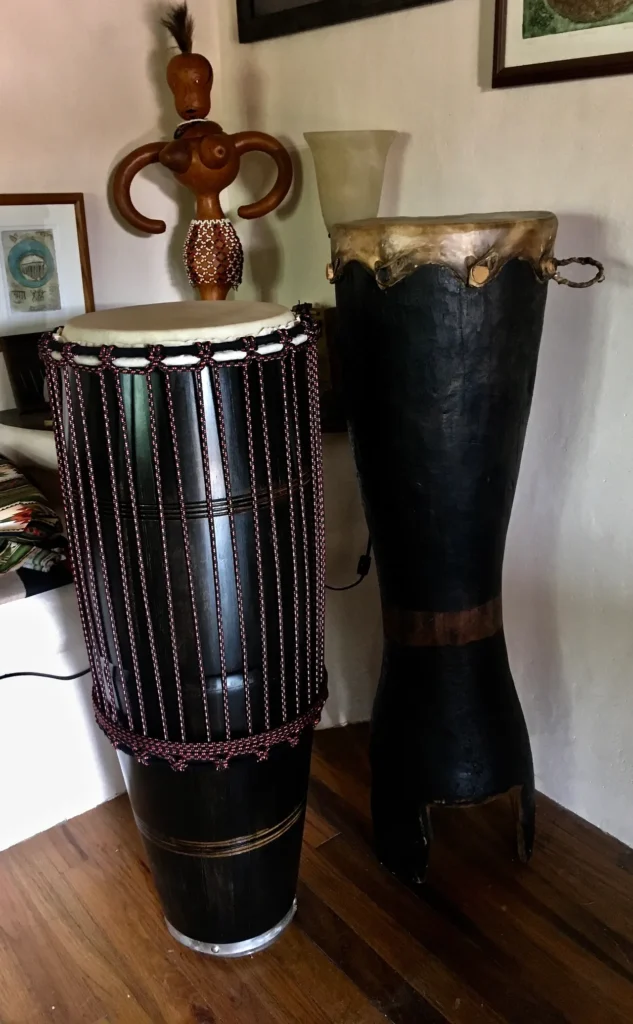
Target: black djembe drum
<point>190,456</point>
<point>440,328</point>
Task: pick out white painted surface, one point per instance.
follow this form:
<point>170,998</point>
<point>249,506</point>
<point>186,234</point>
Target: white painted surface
<point>569,569</point>
<point>26,447</point>
<point>54,762</point>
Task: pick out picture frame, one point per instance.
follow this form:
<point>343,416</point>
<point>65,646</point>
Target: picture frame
<point>45,275</point>
<point>266,19</point>
<point>45,279</point>
<point>559,48</point>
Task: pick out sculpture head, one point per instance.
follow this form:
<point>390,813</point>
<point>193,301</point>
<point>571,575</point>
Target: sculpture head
<point>189,75</point>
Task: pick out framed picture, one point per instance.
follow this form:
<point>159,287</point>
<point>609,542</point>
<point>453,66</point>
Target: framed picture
<point>555,40</point>
<point>44,261</point>
<point>263,19</point>
<point>44,280</point>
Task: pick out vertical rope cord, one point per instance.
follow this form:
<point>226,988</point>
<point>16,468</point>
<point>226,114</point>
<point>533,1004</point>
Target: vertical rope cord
<point>187,551</point>
<point>102,556</point>
<point>277,457</point>
<point>139,548</point>
<point>319,506</point>
<point>224,452</point>
<point>204,441</point>
<point>163,537</point>
<point>122,562</point>
<point>258,542</point>
<point>293,530</point>
<point>304,523</point>
<point>84,512</point>
<point>275,541</point>
<point>78,571</point>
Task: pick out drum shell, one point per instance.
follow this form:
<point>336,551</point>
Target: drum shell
<point>280,647</point>
<point>198,488</point>
<point>438,382</point>
<point>228,892</point>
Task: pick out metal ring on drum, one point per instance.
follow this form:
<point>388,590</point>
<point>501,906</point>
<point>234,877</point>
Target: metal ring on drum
<point>190,459</point>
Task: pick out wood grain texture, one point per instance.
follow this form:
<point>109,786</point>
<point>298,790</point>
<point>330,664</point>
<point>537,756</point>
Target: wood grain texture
<point>488,941</point>
<point>443,629</point>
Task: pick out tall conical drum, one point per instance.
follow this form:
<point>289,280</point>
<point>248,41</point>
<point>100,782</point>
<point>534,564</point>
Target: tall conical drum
<point>440,327</point>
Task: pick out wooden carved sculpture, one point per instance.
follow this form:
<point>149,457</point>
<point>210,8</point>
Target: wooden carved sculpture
<point>207,161</point>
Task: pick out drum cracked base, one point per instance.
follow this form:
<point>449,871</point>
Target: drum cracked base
<point>233,950</point>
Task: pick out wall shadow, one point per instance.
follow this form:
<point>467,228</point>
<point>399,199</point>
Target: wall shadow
<point>569,379</point>
<point>159,176</point>
<point>486,44</point>
<point>353,618</point>
<point>263,252</point>
<point>392,186</point>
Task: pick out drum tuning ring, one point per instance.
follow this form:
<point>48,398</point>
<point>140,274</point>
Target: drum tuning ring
<point>551,267</point>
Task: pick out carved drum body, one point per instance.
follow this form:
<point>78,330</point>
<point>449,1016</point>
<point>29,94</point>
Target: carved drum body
<point>440,328</point>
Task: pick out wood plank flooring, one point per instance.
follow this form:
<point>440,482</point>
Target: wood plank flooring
<point>82,939</point>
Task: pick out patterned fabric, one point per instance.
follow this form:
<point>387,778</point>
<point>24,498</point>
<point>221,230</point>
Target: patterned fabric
<point>213,254</point>
<point>30,532</point>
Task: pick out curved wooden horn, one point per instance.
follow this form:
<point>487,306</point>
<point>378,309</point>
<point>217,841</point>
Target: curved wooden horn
<point>122,181</point>
<point>248,142</point>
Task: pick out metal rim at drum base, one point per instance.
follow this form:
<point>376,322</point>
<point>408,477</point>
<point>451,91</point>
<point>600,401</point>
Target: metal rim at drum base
<point>234,950</point>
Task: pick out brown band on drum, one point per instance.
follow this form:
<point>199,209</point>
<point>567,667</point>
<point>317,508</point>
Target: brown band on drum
<point>475,247</point>
<point>223,848</point>
<point>443,629</point>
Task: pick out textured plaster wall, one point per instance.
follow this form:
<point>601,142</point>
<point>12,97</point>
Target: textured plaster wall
<point>569,567</point>
<point>83,83</point>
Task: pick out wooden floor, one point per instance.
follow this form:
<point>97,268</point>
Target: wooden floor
<point>82,939</point>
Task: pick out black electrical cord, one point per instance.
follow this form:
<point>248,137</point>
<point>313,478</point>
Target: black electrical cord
<point>45,675</point>
<point>363,567</point>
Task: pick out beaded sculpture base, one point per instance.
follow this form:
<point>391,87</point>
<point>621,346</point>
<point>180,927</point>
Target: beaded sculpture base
<point>213,254</point>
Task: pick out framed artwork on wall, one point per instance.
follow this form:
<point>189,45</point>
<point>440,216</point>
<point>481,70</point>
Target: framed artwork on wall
<point>557,40</point>
<point>264,19</point>
<point>44,280</point>
<point>44,261</point>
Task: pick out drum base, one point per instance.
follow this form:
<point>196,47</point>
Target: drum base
<point>229,950</point>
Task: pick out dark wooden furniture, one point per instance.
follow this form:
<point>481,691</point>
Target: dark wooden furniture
<point>263,19</point>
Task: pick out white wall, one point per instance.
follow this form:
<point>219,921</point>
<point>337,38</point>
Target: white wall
<point>97,74</point>
<point>81,84</point>
<point>569,569</point>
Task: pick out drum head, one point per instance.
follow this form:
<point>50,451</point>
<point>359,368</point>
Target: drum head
<point>177,323</point>
<point>394,248</point>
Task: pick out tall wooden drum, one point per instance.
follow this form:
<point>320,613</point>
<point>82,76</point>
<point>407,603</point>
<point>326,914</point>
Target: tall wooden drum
<point>190,456</point>
<point>440,328</point>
